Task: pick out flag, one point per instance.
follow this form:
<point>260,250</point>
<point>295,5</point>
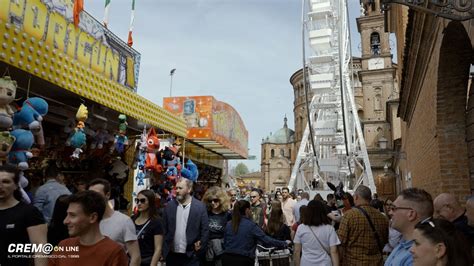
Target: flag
<point>78,8</point>
<point>130,38</point>
<point>106,12</point>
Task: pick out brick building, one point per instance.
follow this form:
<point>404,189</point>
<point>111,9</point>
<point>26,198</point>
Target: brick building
<point>437,141</point>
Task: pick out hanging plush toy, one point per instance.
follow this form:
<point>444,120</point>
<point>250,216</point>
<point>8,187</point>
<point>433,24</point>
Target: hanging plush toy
<point>19,155</point>
<point>101,137</point>
<point>171,162</point>
<point>7,95</point>
<point>20,151</point>
<point>153,146</point>
<point>140,160</point>
<point>190,171</point>
<point>78,138</point>
<point>31,114</point>
<point>6,143</point>
<point>121,140</point>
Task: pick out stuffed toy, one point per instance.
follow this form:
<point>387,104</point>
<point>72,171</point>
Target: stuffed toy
<point>23,182</point>
<point>101,137</point>
<point>6,143</point>
<point>171,162</point>
<point>31,114</point>
<point>20,151</point>
<point>153,146</point>
<point>141,158</point>
<point>119,170</point>
<point>190,171</point>
<point>69,125</point>
<point>7,95</point>
<point>121,140</point>
<point>78,138</point>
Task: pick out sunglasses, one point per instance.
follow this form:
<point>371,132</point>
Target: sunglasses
<point>428,221</point>
<point>233,195</point>
<point>138,201</point>
<point>215,200</point>
<point>252,197</point>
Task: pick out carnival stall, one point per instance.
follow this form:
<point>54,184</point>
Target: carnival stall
<point>69,93</point>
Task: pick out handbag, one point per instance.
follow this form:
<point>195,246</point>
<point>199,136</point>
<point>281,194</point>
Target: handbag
<point>321,244</point>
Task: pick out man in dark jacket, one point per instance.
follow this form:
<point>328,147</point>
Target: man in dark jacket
<point>186,227</point>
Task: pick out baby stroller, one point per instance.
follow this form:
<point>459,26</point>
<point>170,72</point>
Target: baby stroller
<point>272,256</point>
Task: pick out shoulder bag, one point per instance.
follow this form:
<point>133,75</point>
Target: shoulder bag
<point>321,244</point>
<point>377,237</point>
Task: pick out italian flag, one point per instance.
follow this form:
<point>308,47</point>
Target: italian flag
<point>106,13</point>
<point>77,9</point>
<point>132,19</point>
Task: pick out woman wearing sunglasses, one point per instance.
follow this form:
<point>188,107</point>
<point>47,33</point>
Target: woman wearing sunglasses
<point>438,243</point>
<point>149,228</point>
<point>217,202</point>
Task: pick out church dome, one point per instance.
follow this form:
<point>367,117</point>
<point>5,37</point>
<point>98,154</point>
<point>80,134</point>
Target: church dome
<point>282,136</point>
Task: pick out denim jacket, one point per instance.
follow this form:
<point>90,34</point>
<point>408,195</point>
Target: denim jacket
<point>46,196</point>
<point>244,242</point>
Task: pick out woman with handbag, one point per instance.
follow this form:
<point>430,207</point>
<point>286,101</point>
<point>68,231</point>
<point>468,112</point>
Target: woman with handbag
<point>149,228</point>
<point>217,202</point>
<point>316,237</point>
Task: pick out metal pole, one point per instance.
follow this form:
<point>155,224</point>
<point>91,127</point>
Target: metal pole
<point>304,77</point>
<point>171,84</point>
<point>341,81</point>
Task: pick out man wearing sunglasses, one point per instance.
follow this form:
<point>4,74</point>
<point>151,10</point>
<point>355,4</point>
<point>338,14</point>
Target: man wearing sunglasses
<point>233,198</point>
<point>258,214</point>
<point>411,207</point>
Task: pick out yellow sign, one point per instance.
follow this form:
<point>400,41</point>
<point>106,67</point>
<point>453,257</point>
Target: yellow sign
<point>90,44</point>
<point>74,60</point>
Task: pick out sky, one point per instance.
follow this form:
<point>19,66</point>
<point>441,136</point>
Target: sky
<point>242,52</point>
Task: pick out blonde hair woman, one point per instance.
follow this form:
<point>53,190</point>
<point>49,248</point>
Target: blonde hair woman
<point>217,202</point>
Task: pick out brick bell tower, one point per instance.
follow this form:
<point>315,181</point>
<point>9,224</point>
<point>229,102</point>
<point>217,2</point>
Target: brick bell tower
<point>379,97</point>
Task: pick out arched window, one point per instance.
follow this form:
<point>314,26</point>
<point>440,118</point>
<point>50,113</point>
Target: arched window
<point>375,43</point>
<point>272,153</point>
<point>282,152</point>
<point>289,153</point>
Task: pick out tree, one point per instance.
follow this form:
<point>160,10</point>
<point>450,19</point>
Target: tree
<point>241,169</point>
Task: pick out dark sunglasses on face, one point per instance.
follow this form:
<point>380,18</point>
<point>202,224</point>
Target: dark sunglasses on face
<point>215,200</point>
<point>233,195</point>
<point>138,201</point>
<point>253,197</point>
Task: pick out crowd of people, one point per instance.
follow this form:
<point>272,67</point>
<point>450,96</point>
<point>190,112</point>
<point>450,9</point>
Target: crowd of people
<point>226,228</point>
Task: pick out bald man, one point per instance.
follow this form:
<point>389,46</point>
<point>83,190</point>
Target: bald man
<point>470,211</point>
<point>447,207</point>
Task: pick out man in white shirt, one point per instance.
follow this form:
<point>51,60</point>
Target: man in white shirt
<point>186,227</point>
<point>287,206</point>
<point>116,225</point>
<point>303,202</point>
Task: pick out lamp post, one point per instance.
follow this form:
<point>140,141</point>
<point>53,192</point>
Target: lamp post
<point>171,79</point>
